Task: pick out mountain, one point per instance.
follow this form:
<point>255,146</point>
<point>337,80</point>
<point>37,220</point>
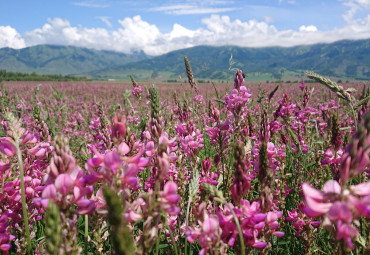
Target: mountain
<point>350,59</point>
<point>343,59</point>
<point>51,59</point>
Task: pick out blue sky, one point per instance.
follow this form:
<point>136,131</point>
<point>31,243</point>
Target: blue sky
<point>157,27</point>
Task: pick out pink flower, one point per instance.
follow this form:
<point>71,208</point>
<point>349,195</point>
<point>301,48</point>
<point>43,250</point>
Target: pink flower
<point>346,232</point>
<point>239,79</point>
<point>119,128</point>
<point>314,201</point>
<point>340,212</point>
<point>134,212</point>
<point>7,148</point>
<point>339,206</point>
<point>169,199</point>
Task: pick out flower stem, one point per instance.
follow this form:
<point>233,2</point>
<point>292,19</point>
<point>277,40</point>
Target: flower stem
<point>187,222</point>
<point>23,195</point>
<point>354,115</point>
<point>86,232</point>
<point>157,241</point>
<point>172,239</point>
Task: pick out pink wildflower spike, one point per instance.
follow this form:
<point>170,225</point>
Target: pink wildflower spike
<point>77,193</point>
<point>346,166</point>
<point>259,217</point>
<point>85,206</point>
<point>134,216</point>
<point>112,160</point>
<point>346,232</point>
<point>292,215</point>
<point>332,186</point>
<point>123,148</point>
<point>169,198</point>
<point>260,225</point>
<point>63,183</point>
<point>50,192</point>
<point>340,212</point>
<point>134,212</point>
<point>363,206</point>
<point>270,149</point>
<point>315,223</point>
<point>5,247</point>
<point>308,190</point>
<point>7,148</point>
<point>119,128</point>
<point>143,162</point>
<point>362,189</point>
<point>164,165</point>
<point>314,201</point>
<point>130,177</point>
<point>278,234</point>
<point>169,187</point>
<point>239,79</point>
<point>314,208</point>
<point>29,138</point>
<point>210,225</point>
<point>4,166</point>
<point>149,149</point>
<point>259,245</point>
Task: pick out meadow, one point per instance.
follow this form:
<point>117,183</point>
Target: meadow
<point>136,168</point>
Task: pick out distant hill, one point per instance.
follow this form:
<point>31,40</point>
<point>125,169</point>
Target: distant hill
<point>349,59</point>
<point>64,60</point>
<point>343,59</point>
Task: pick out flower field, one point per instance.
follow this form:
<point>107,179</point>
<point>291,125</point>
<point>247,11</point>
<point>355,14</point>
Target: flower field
<point>243,168</point>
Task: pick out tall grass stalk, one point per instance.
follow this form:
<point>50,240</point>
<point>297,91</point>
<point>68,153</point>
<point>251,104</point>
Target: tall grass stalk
<point>24,206</point>
<point>339,90</point>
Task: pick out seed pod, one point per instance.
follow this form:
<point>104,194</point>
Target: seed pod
<point>120,234</point>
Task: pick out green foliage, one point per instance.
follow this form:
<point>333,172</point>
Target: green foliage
<point>17,76</point>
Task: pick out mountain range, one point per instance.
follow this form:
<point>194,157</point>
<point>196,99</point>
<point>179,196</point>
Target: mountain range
<point>343,59</point>
<point>64,60</point>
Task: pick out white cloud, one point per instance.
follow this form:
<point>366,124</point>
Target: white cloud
<point>310,28</point>
<point>9,37</point>
<point>105,19</point>
<point>353,7</point>
<point>190,9</point>
<point>59,31</point>
<point>92,4</point>
<point>136,34</point>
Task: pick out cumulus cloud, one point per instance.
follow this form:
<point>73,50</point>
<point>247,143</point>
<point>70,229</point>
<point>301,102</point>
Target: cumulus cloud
<point>60,32</point>
<point>9,37</point>
<point>136,34</point>
<point>310,28</point>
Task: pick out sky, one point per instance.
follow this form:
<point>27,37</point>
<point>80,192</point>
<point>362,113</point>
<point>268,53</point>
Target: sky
<point>158,27</point>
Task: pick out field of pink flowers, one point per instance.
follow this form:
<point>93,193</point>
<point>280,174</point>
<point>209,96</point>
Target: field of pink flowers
<point>243,168</point>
